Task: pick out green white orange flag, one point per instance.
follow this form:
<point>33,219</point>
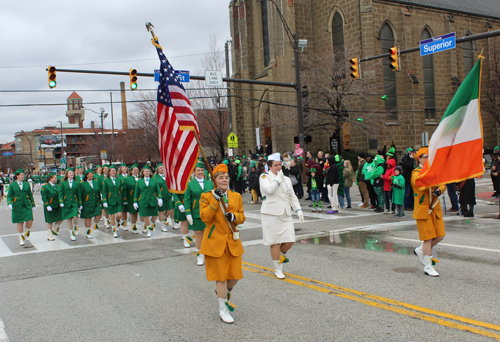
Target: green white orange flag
<point>456,147</point>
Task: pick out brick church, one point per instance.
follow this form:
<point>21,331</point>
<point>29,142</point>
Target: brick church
<point>415,97</point>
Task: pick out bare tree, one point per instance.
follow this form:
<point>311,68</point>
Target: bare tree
<point>491,91</point>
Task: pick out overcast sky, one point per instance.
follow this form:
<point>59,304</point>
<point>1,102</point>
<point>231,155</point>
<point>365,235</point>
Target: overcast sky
<point>94,35</point>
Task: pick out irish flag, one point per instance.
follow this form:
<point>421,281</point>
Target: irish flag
<point>456,147</point>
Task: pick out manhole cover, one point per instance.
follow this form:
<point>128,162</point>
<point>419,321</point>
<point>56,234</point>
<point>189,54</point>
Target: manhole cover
<point>405,269</point>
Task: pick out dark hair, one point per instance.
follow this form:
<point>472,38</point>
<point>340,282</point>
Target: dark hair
<point>270,162</point>
<point>86,176</point>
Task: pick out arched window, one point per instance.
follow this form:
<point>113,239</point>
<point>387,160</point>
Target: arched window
<point>265,33</point>
<point>338,41</point>
<point>468,48</point>
<point>391,104</point>
<point>429,92</point>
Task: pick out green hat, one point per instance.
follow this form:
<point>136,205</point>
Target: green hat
<point>237,161</point>
<point>135,165</point>
<point>337,158</point>
<point>146,167</point>
<point>408,150</point>
<point>225,162</point>
<point>70,169</point>
<point>79,167</point>
<point>19,171</point>
<point>391,151</point>
<point>111,167</point>
<point>244,157</point>
<point>51,174</point>
<point>496,148</point>
<point>158,165</point>
<point>123,164</point>
<point>88,171</point>
<point>200,164</point>
<point>237,157</point>
<point>97,166</point>
<point>313,170</point>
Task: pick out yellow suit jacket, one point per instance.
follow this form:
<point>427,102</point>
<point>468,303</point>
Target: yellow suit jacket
<point>423,198</point>
<point>218,233</point>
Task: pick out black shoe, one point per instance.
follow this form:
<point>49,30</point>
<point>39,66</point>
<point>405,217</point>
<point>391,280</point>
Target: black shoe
<point>308,198</point>
<point>348,207</point>
<point>310,205</point>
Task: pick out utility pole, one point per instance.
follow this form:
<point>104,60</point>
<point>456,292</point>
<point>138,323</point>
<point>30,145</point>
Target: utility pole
<point>228,85</point>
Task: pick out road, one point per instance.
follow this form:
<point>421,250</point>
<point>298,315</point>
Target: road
<point>351,277</point>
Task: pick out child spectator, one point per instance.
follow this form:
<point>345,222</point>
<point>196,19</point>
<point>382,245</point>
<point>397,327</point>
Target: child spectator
<point>313,184</point>
<point>253,184</point>
<point>398,191</point>
<point>387,177</point>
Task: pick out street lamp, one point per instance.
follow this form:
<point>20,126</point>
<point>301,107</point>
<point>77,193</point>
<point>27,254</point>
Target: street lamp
<point>103,116</point>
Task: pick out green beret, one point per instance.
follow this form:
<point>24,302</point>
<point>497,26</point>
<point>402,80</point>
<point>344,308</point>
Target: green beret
<point>51,174</point>
<point>111,167</point>
<point>158,165</point>
<point>123,164</point>
<point>313,170</point>
<point>79,167</point>
<point>200,164</point>
<point>70,169</point>
<point>135,165</point>
<point>88,171</point>
<point>107,165</point>
<point>496,148</point>
<point>97,166</point>
<point>19,171</point>
<point>146,167</point>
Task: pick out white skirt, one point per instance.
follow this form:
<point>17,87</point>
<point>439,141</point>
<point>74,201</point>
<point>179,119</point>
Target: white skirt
<point>277,229</point>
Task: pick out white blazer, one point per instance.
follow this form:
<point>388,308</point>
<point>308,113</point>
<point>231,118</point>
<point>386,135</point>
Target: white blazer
<point>278,197</point>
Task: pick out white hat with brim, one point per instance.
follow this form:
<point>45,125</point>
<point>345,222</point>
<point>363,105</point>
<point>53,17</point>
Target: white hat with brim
<point>274,157</point>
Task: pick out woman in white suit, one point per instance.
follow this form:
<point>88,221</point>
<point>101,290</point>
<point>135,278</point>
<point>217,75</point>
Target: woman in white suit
<point>278,200</point>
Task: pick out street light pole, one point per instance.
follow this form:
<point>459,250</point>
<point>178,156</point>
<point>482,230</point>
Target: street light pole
<point>229,111</point>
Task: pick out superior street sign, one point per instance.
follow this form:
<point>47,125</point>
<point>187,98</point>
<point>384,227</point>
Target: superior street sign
<point>438,44</point>
<point>183,75</point>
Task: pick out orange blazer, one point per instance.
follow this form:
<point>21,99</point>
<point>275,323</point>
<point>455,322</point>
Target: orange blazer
<point>218,234</point>
<point>423,198</point>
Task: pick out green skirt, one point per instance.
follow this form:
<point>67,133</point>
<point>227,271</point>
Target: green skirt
<point>167,205</point>
<point>69,212</point>
<point>129,208</point>
<point>148,211</point>
<point>198,225</point>
<point>91,211</point>
<point>178,216</point>
<point>23,215</point>
<point>52,216</point>
<point>114,209</point>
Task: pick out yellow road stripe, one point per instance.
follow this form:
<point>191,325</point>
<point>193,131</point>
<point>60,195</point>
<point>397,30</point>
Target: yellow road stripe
<point>369,299</point>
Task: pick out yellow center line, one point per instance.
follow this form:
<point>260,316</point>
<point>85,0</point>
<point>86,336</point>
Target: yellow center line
<point>382,303</point>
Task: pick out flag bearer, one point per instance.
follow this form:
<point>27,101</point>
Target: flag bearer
<point>113,198</point>
<point>69,199</point>
<point>20,200</point>
<point>90,192</point>
<point>128,189</point>
<point>147,199</point>
<point>51,209</point>
<point>429,216</point>
<point>166,211</point>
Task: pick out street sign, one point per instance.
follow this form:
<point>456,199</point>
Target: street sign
<point>213,78</point>
<point>438,44</point>
<point>8,153</point>
<point>104,154</point>
<point>232,141</point>
<point>183,75</point>
<point>63,161</point>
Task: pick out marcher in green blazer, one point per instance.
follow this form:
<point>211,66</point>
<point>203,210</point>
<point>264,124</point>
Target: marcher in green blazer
<point>192,196</point>
<point>102,177</point>
<point>113,199</point>
<point>123,173</point>
<point>90,192</point>
<point>51,209</point>
<point>166,211</point>
<point>128,189</point>
<point>20,200</point>
<point>79,173</point>
<point>147,198</point>
<point>69,199</point>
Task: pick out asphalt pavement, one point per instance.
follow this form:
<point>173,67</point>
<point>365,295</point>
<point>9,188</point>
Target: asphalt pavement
<point>351,277</point>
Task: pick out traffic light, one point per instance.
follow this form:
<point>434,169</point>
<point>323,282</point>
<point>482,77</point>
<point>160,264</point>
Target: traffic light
<point>394,58</point>
<point>52,76</point>
<point>384,97</point>
<point>133,79</point>
<point>359,119</point>
<point>354,68</point>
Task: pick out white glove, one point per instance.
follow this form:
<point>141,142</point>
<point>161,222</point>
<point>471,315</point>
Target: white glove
<point>136,206</point>
<point>125,203</point>
<point>10,206</point>
<point>281,175</point>
<point>62,205</point>
<point>105,205</point>
<point>301,217</point>
<point>190,219</point>
<point>160,202</point>
<point>182,209</point>
<point>34,208</point>
<point>49,208</point>
<point>80,208</point>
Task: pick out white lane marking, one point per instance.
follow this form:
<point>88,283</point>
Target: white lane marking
<point>3,334</point>
<point>4,249</point>
<point>452,245</point>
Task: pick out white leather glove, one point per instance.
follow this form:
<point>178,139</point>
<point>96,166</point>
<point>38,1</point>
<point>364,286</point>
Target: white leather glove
<point>80,208</point>
<point>34,208</point>
<point>125,203</point>
<point>301,217</point>
<point>190,219</point>
<point>105,205</point>
<point>62,205</point>
<point>281,175</point>
<point>136,206</point>
<point>182,209</point>
<point>49,208</point>
<point>10,206</point>
<point>160,202</point>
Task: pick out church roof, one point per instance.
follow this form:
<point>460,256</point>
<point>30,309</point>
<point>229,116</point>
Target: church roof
<point>74,95</point>
<point>486,8</point>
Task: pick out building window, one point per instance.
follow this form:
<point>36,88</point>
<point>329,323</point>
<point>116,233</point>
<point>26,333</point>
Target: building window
<point>429,92</point>
<point>468,48</point>
<point>338,41</point>
<point>391,104</point>
<point>265,33</point>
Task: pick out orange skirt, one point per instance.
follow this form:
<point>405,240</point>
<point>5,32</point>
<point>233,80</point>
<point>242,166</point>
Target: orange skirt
<point>430,228</point>
<point>224,267</point>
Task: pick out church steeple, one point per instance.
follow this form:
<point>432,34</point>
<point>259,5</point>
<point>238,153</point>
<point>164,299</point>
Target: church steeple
<point>75,112</point>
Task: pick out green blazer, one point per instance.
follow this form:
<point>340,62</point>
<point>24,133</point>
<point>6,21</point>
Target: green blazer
<point>59,179</point>
<point>21,200</point>
<point>70,197</point>
<point>178,200</point>
<point>112,193</point>
<point>90,196</point>
<point>165,194</point>
<point>147,195</point>
<point>129,188</point>
<point>193,194</point>
<point>50,198</point>
<point>79,178</point>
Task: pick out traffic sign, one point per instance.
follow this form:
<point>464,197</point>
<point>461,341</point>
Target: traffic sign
<point>104,154</point>
<point>213,78</point>
<point>437,44</point>
<point>232,141</point>
<point>8,153</point>
<point>183,75</point>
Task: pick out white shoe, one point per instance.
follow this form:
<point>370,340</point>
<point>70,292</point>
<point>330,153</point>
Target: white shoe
<point>50,236</point>
<point>27,235</point>
<point>72,235</point>
<point>134,229</point>
<point>21,239</point>
<point>225,316</point>
<point>124,225</point>
<point>163,228</point>
<point>89,231</point>
<point>428,269</point>
<point>149,232</point>
<point>115,233</point>
<point>75,230</point>
<point>360,204</point>
<point>186,242</point>
<point>278,269</point>
<point>200,260</point>
<point>387,212</point>
<point>176,225</point>
<point>419,252</point>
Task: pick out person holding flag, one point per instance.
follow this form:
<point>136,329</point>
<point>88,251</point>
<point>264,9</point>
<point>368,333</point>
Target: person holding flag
<point>455,154</point>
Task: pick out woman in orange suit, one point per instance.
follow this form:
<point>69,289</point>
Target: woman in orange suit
<point>428,214</point>
<point>222,252</point>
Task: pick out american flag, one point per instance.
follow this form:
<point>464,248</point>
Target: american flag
<point>177,127</point>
